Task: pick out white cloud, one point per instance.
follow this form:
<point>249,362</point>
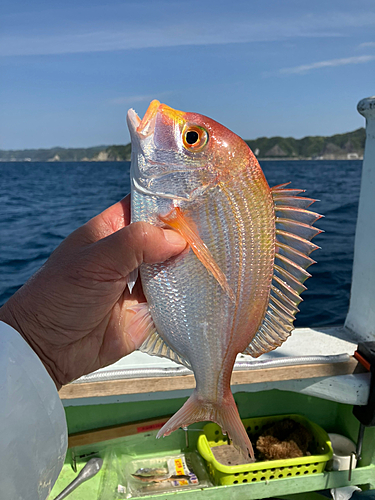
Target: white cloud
<point>160,32</point>
<point>367,44</point>
<point>304,68</point>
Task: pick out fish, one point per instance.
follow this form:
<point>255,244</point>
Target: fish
<point>161,479</point>
<point>236,287</point>
<point>151,471</point>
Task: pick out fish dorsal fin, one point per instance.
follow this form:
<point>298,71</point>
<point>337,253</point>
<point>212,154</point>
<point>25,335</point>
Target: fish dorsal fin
<point>140,321</point>
<point>294,230</point>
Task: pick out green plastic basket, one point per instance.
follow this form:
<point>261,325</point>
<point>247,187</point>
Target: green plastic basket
<point>267,470</point>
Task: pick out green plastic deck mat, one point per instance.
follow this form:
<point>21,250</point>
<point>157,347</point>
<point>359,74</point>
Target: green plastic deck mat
<point>146,445</point>
<point>332,416</point>
<point>267,470</point>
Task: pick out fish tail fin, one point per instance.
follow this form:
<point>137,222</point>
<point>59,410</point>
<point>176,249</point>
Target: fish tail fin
<point>225,414</point>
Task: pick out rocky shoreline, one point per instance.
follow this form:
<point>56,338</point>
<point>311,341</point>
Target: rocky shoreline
<point>349,146</point>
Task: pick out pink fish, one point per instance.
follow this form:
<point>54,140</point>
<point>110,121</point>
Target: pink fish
<point>237,286</point>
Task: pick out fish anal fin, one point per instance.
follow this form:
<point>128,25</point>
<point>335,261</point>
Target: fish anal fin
<point>139,324</point>
<point>294,230</point>
<point>154,345</point>
<point>177,220</point>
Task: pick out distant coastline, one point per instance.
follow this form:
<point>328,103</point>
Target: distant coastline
<point>349,146</point>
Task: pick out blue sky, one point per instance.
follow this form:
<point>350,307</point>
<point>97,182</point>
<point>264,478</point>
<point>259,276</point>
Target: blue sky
<point>69,70</point>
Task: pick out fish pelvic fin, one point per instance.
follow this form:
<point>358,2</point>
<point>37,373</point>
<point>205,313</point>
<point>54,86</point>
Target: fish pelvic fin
<point>294,231</point>
<point>223,413</point>
<point>178,221</point>
<point>132,278</point>
<point>139,322</point>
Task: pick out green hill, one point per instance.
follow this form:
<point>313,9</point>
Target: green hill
<point>339,146</point>
<point>53,154</point>
<point>336,146</point>
<point>115,153</point>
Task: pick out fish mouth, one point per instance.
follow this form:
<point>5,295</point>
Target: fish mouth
<point>150,171</point>
<point>133,121</point>
<point>145,127</point>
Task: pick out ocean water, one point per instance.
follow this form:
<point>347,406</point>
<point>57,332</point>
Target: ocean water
<point>41,203</point>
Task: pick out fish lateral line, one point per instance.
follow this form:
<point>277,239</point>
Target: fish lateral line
<point>176,220</point>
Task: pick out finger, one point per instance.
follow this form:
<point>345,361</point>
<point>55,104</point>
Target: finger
<point>107,222</point>
<point>113,218</point>
<point>136,243</point>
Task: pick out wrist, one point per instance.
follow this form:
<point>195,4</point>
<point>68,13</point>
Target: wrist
<point>27,325</point>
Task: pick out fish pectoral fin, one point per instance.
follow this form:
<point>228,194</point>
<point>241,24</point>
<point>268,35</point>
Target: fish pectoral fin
<point>176,220</point>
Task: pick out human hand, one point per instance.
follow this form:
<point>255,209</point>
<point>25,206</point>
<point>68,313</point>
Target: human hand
<point>74,312</point>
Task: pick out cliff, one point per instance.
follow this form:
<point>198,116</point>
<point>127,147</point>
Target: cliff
<point>336,147</point>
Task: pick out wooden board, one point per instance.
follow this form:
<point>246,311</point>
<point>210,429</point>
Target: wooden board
<point>180,382</point>
<point>116,431</point>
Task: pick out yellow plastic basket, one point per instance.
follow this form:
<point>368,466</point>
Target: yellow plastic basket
<point>267,470</point>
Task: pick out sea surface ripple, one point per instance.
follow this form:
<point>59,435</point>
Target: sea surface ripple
<point>41,203</point>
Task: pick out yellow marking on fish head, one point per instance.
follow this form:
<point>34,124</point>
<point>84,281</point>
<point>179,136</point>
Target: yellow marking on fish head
<point>147,124</point>
<point>202,141</point>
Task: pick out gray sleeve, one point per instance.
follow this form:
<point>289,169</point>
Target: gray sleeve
<point>33,433</point>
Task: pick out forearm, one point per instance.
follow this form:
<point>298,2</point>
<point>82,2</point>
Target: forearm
<point>27,322</point>
<point>33,434</point>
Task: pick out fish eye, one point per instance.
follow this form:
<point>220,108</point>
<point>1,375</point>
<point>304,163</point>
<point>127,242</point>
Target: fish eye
<point>194,138</point>
<point>191,137</point>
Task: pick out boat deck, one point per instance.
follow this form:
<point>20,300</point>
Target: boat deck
<point>311,361</point>
<point>313,373</point>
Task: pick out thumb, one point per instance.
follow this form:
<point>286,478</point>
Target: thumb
<point>140,242</point>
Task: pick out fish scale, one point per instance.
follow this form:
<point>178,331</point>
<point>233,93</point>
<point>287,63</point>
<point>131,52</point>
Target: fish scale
<point>236,287</point>
<point>261,256</point>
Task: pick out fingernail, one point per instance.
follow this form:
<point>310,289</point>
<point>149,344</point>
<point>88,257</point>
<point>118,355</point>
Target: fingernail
<point>174,237</point>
